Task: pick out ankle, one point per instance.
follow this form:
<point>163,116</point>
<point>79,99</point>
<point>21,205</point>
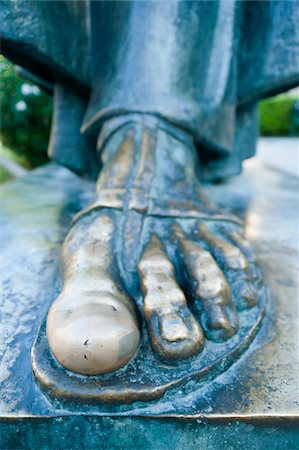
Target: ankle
<point>142,153</point>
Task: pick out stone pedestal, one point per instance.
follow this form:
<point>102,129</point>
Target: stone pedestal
<point>254,404</point>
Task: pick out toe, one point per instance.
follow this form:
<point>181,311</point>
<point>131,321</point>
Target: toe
<point>173,330</point>
<point>244,294</point>
<point>92,327</point>
<point>237,268</point>
<point>173,327</point>
<point>210,290</point>
<point>220,323</point>
<point>93,339</point>
<point>174,337</point>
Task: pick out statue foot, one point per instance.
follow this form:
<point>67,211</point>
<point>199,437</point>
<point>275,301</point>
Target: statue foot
<point>193,266</point>
<point>92,326</point>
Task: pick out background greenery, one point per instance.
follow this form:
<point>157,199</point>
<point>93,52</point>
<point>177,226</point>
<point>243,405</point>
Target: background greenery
<point>26,113</point>
<point>276,116</point>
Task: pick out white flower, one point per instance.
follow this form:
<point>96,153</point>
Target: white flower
<point>28,89</point>
<point>21,106</point>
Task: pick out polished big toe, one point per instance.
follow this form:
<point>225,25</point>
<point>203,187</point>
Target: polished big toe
<point>92,339</point>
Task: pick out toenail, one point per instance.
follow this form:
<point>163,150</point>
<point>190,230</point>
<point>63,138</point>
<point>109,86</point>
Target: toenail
<point>174,329</point>
<point>127,344</point>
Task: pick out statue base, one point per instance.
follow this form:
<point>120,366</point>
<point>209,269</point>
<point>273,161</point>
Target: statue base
<point>253,404</point>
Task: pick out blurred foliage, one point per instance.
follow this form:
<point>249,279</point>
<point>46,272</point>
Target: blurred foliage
<point>276,115</point>
<point>26,114</point>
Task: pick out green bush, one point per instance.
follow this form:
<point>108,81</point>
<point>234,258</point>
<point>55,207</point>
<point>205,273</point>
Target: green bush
<point>26,113</point>
<point>276,115</point>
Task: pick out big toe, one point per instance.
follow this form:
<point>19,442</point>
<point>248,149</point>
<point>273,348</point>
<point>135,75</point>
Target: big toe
<point>92,339</point>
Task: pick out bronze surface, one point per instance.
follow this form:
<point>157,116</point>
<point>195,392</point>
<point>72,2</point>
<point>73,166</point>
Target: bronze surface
<point>263,382</point>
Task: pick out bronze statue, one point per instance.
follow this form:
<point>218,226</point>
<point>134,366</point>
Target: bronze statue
<point>165,95</point>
